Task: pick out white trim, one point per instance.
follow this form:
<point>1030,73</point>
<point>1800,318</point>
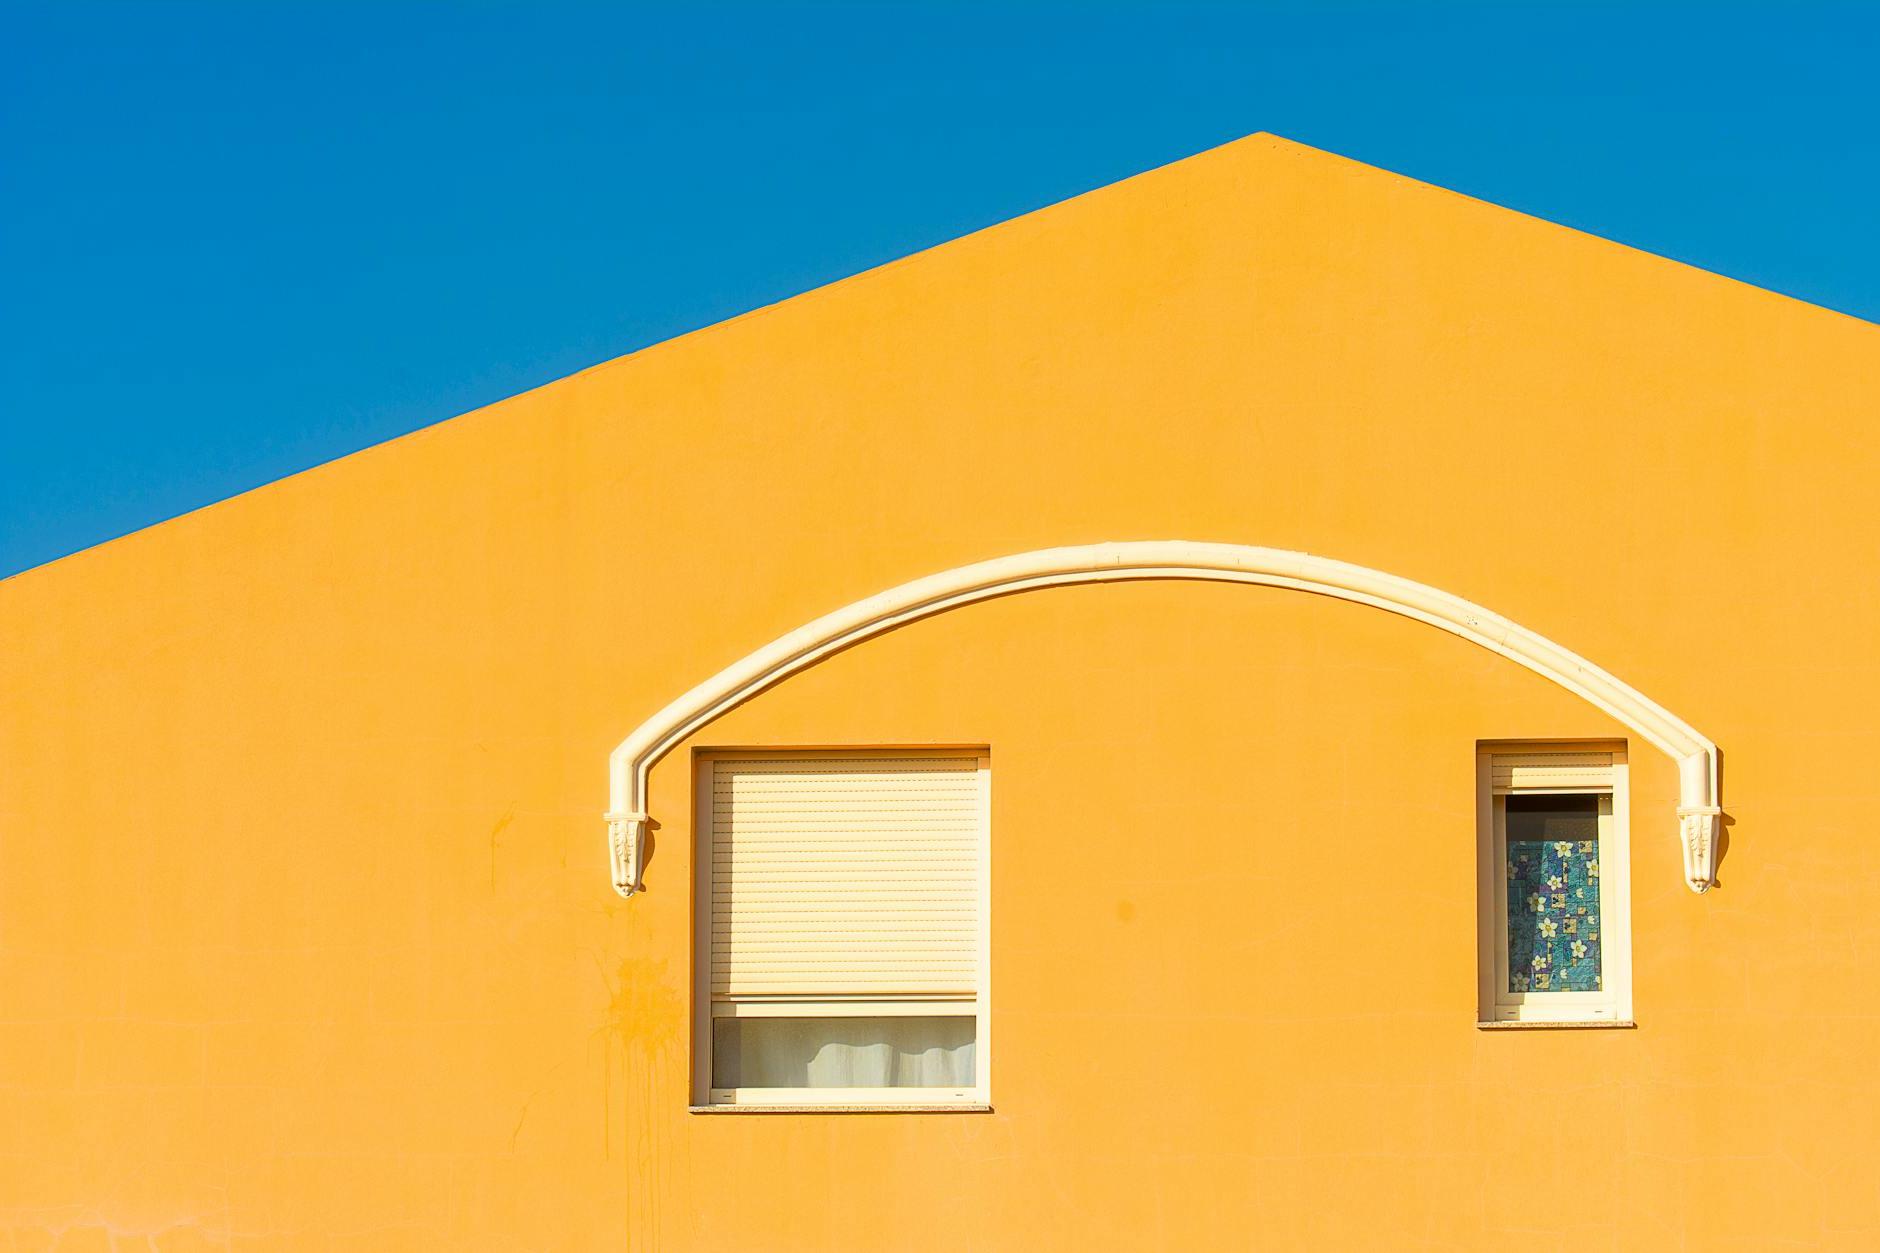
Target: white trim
<point>707,1006</point>
<point>819,1100</point>
<point>982,1029</point>
<point>632,762</point>
<point>701,930</point>
<point>787,1007</point>
<point>1612,1004</point>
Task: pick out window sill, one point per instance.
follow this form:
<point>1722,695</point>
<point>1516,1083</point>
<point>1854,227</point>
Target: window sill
<point>839,1109</point>
<point>1596,1024</point>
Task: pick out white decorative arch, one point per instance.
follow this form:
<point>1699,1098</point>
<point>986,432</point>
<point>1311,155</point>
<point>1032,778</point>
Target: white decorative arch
<point>631,763</point>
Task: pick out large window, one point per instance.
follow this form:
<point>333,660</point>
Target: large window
<point>1554,909</point>
<point>842,928</point>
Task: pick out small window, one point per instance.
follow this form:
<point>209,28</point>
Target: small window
<point>1554,909</point>
<point>842,929</point>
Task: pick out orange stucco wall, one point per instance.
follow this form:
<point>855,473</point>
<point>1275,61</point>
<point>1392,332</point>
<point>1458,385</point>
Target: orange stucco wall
<point>306,939</point>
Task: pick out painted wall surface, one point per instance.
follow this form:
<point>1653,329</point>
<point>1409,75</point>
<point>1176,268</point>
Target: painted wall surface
<point>306,939</point>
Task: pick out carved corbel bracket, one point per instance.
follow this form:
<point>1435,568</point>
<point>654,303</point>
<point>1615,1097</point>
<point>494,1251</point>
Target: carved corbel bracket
<point>626,839</point>
<point>1700,825</point>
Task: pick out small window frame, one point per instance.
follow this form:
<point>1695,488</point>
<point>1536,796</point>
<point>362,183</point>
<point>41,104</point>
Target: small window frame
<point>1496,1004</point>
<point>706,1098</point>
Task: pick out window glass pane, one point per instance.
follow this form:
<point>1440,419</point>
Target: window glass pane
<point>842,1052</point>
<point>1553,893</point>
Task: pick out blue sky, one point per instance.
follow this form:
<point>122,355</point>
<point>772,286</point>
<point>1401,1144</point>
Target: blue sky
<point>237,240</point>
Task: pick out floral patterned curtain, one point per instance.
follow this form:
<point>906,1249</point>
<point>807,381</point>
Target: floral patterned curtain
<point>1553,893</point>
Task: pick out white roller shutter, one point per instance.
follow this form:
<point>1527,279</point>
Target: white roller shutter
<point>844,875</point>
<point>1552,772</point>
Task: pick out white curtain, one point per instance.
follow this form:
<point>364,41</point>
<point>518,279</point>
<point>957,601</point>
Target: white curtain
<point>842,1052</point>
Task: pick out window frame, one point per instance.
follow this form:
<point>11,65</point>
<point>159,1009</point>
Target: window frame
<point>706,1098</point>
<point>1496,1005</point>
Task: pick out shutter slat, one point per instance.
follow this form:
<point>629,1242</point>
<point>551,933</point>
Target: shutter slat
<point>1545,772</point>
<point>751,767</point>
<point>748,849</point>
<point>856,822</point>
<point>898,924</point>
<point>859,888</point>
<point>806,861</point>
<point>840,875</point>
<point>885,913</point>
<point>812,983</point>
<point>926,874</point>
<point>879,897</point>
<point>852,943</point>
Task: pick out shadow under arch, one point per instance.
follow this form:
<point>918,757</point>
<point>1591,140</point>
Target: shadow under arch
<point>632,762</point>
